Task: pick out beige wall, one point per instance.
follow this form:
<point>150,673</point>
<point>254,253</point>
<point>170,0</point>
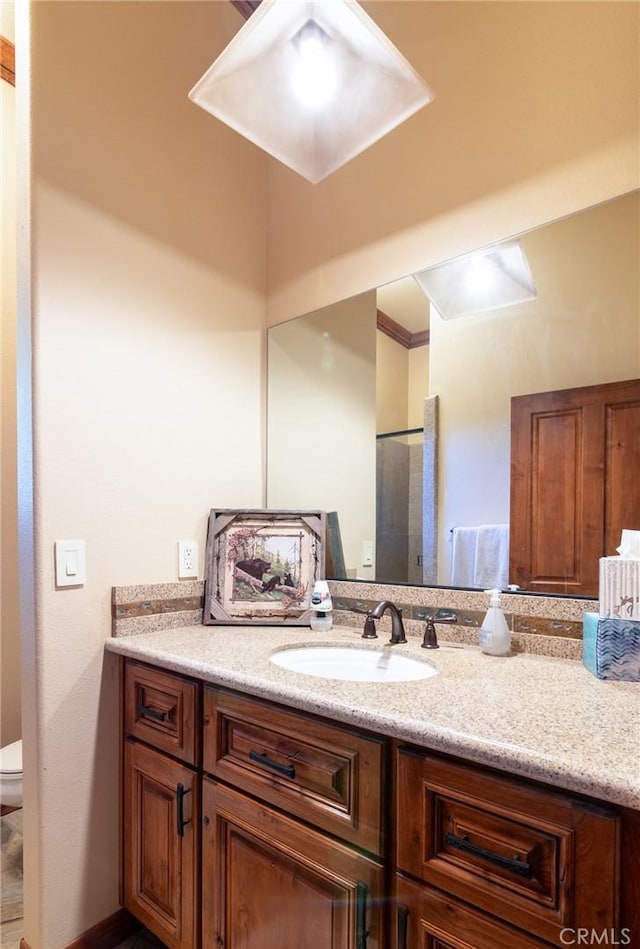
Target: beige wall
<point>583,329</point>
<point>9,623</point>
<point>418,383</point>
<point>321,419</point>
<point>535,115</point>
<point>402,385</point>
<point>392,391</point>
<point>148,319</point>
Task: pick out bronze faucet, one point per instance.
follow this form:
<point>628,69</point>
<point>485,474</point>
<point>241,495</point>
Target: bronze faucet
<point>397,629</point>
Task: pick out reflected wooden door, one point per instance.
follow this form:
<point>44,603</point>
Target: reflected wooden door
<point>575,457</point>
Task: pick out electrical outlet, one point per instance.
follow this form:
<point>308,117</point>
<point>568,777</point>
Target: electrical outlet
<point>187,559</point>
<point>367,553</point>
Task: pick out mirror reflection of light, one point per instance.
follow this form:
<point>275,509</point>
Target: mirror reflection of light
<point>314,79</point>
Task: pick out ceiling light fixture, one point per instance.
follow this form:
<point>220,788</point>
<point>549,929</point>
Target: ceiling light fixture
<point>497,277</point>
<point>312,82</point>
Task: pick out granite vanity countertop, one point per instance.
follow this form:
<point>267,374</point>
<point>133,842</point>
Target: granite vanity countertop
<point>547,719</point>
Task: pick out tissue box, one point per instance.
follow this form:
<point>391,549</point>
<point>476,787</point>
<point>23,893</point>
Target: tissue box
<point>611,647</point>
<point>620,588</point>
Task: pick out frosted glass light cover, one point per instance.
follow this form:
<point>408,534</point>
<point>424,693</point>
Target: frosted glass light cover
<point>251,88</point>
<point>494,278</point>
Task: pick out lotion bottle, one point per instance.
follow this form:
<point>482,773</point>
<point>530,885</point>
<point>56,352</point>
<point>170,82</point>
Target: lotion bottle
<point>495,635</point>
<point>321,607</point>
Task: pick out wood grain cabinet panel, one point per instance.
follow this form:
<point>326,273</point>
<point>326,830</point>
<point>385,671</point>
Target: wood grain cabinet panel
<point>540,860</point>
<point>161,825</point>
<point>427,919</point>
<point>329,776</point>
<point>269,882</point>
<point>162,709</point>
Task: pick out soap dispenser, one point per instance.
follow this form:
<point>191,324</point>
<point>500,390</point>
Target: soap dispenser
<point>495,635</point>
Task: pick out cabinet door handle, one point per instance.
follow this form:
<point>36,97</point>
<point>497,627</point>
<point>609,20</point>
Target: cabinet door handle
<point>403,918</point>
<point>148,712</point>
<point>181,823</point>
<point>520,867</point>
<point>362,891</point>
<point>262,758</point>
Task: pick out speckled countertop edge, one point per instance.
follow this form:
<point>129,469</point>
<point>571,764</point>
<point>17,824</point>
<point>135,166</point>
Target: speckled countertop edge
<point>546,719</point>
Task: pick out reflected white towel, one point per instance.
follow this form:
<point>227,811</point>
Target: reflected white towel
<point>492,556</point>
<point>463,556</point>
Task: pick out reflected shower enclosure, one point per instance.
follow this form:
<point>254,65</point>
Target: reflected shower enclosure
<point>406,484</point>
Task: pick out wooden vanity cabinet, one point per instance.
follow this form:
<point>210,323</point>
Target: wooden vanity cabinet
<point>494,853</point>
<point>161,803</point>
<point>248,825</point>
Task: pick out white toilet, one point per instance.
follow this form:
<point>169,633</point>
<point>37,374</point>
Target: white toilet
<point>11,774</point>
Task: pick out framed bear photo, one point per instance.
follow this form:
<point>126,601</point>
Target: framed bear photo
<point>261,566</point>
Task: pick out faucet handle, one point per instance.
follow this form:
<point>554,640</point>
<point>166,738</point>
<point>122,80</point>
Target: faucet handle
<point>430,640</point>
<point>369,631</point>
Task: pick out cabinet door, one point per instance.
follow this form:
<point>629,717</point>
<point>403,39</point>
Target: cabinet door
<point>161,817</point>
<point>272,883</point>
<point>572,452</point>
<point>427,919</point>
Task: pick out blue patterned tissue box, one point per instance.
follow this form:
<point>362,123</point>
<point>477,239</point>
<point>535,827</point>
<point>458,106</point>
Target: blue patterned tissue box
<point>611,647</point>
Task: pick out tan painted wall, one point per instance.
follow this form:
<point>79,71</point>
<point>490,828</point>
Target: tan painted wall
<point>418,385</point>
<point>392,390</point>
<point>9,623</point>
<point>584,329</point>
<point>536,115</point>
<point>321,418</point>
<point>148,309</point>
<point>402,385</point>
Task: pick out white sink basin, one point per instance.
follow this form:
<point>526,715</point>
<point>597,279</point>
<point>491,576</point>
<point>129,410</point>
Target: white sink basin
<point>352,663</point>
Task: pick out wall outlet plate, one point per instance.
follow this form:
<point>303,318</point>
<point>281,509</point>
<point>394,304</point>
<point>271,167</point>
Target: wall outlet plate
<point>187,559</point>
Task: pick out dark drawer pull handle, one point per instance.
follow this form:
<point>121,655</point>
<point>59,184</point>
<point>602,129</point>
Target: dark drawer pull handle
<point>148,712</point>
<point>403,918</point>
<point>181,823</point>
<point>287,769</point>
<point>362,891</point>
<point>510,863</point>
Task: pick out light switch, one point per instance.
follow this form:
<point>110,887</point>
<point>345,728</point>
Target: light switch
<point>70,563</point>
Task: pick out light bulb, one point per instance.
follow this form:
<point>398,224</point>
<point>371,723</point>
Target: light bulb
<point>481,274</point>
<point>314,79</point>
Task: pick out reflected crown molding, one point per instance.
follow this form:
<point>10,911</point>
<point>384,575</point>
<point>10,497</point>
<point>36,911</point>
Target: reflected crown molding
<point>397,332</point>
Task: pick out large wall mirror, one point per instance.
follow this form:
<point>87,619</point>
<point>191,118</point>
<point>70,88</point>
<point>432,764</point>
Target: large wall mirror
<point>398,420</point>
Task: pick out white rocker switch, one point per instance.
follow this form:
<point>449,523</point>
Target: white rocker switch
<point>70,563</point>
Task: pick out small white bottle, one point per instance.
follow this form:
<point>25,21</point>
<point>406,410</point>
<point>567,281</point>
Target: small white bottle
<point>321,607</point>
<point>495,635</point>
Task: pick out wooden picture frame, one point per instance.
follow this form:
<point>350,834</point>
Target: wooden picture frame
<point>261,566</point>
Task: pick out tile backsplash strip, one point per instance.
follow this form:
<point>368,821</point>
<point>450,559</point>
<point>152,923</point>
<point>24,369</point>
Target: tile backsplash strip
<point>145,608</point>
<point>543,625</point>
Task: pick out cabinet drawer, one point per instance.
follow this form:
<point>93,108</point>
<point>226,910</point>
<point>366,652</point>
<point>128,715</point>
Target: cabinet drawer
<point>427,919</point>
<point>539,859</point>
<point>329,776</point>
<point>162,709</point>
